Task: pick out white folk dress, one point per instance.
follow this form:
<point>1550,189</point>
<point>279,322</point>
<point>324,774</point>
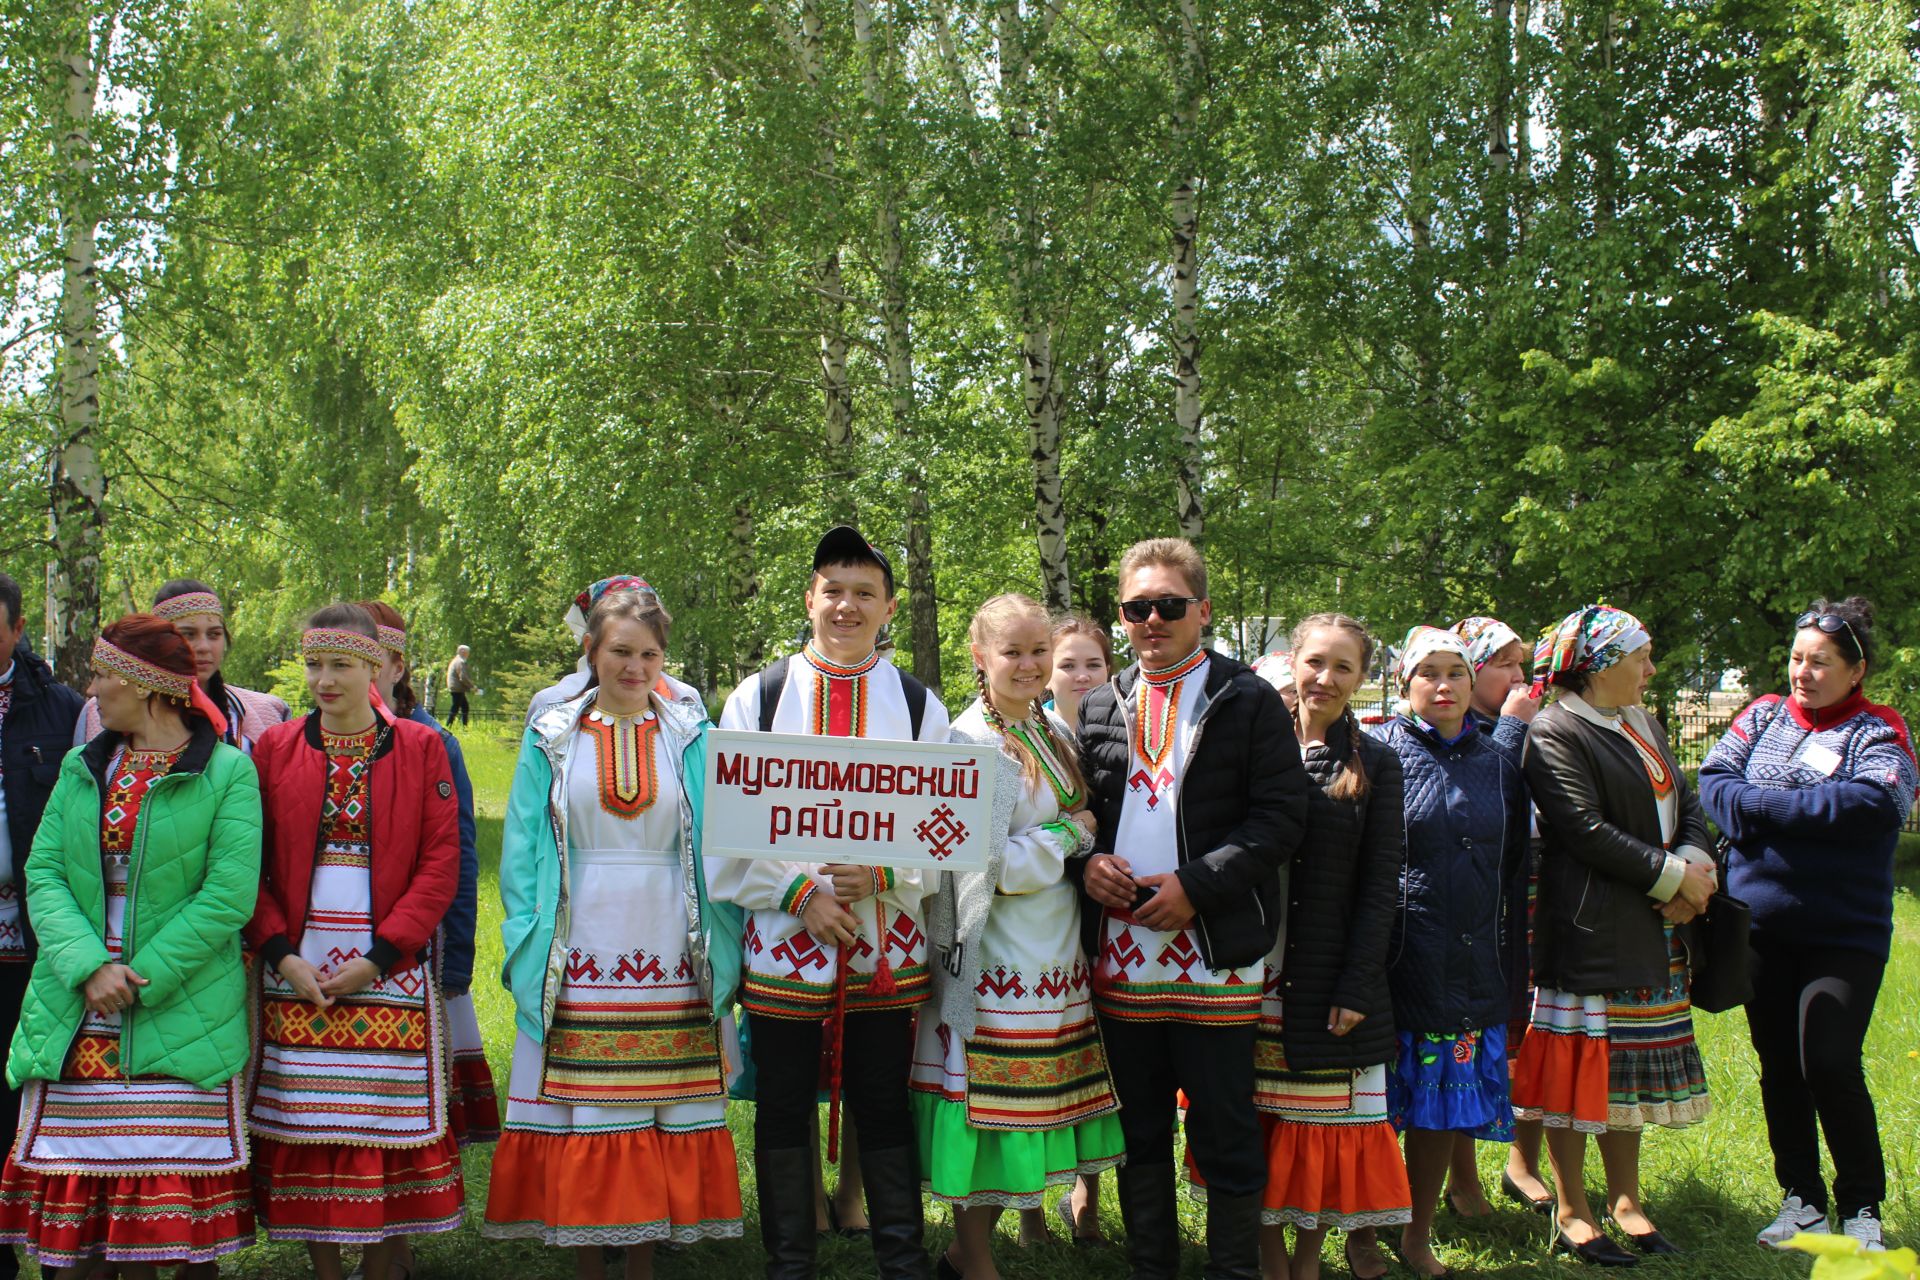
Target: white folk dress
<point>616,1127</point>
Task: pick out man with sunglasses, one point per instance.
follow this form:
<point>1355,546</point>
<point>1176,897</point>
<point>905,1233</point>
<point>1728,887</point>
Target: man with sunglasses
<point>1197,781</point>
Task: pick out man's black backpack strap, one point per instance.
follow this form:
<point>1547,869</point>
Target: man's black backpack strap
<point>916,702</point>
<point>773,683</point>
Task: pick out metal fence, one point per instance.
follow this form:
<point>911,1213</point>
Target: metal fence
<point>1693,725</point>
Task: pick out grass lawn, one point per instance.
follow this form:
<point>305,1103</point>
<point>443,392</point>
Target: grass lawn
<point>1710,1187</point>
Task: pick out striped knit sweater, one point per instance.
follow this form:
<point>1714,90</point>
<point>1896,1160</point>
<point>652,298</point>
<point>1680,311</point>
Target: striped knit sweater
<point>1813,803</point>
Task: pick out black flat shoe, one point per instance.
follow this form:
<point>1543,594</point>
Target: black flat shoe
<point>1512,1191</point>
<point>944,1269</point>
<point>1600,1251</point>
<point>1652,1243</point>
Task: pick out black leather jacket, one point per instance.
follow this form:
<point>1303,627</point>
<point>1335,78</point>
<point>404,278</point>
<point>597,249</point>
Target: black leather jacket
<point>1596,930</point>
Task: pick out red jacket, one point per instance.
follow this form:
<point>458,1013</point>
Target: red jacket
<point>416,838</point>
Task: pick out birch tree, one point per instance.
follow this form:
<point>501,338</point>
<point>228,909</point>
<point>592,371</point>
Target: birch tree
<point>79,485</point>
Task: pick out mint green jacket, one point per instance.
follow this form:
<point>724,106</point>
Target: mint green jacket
<point>533,862</point>
<point>192,882</point>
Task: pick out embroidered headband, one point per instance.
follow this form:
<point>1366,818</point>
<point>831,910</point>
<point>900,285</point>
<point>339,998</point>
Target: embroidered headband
<point>191,602</point>
<point>135,670</point>
<point>392,638</point>
<point>318,640</point>
<point>1485,637</point>
<point>1423,642</point>
<point>108,656</point>
<point>1586,640</point>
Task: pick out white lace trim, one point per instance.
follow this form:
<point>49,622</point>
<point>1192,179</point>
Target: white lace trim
<point>1025,1199</point>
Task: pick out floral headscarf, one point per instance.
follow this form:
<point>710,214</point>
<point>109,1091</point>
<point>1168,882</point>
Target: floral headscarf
<point>1423,642</point>
<point>1485,637</point>
<point>1276,669</point>
<point>1586,640</point>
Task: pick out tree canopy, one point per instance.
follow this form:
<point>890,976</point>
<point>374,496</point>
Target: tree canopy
<point>1413,311</point>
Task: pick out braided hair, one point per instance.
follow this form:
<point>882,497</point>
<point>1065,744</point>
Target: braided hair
<point>1352,784</point>
<point>994,614</point>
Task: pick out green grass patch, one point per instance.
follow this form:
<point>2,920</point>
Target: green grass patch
<point>1710,1187</point>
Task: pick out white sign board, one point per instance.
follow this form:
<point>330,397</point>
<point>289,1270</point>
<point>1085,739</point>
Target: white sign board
<point>795,797</point>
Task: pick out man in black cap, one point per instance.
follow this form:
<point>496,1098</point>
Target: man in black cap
<point>802,915</point>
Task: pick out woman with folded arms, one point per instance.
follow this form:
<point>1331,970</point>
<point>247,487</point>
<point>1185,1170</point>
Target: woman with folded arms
<point>1624,869</point>
<point>1812,789</point>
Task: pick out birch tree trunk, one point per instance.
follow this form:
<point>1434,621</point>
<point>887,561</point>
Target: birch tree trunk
<point>76,514</point>
<point>1040,386</point>
<point>829,284</point>
<point>1184,206</point>
<point>923,606</point>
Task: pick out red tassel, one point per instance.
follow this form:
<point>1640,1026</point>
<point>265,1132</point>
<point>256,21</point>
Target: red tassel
<point>882,984</point>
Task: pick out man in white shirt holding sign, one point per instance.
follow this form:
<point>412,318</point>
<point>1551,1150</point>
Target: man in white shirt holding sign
<point>802,917</point>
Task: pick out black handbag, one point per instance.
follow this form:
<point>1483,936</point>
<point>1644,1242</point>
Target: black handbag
<point>1722,954</point>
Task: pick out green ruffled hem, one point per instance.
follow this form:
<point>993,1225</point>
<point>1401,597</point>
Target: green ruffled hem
<point>1012,1168</point>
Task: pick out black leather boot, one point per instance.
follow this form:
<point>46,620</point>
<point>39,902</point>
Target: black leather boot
<point>1233,1237</point>
<point>893,1209</point>
<point>1153,1220</point>
<point>786,1212</point>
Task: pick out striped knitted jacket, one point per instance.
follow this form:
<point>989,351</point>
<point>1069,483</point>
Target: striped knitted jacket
<point>1813,804</point>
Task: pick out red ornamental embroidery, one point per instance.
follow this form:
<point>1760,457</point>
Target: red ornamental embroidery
<point>840,696</point>
<point>1651,759</point>
<point>1152,783</point>
<point>629,776</point>
<point>1182,952</point>
<point>800,953</point>
<point>940,832</point>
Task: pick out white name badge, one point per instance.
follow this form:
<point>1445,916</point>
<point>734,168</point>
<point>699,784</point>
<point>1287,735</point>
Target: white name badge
<point>796,797</point>
<point>1823,760</point>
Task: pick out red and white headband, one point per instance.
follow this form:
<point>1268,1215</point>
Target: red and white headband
<point>353,644</point>
<point>108,656</point>
<point>176,607</point>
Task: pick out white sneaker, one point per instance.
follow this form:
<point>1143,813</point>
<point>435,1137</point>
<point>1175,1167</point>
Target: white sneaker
<point>1796,1217</point>
<point>1865,1228</point>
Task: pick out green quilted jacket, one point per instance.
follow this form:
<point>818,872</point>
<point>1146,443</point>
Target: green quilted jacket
<point>193,879</point>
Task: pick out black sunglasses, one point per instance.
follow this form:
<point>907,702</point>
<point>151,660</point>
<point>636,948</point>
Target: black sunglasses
<point>1170,608</point>
<point>1831,623</point>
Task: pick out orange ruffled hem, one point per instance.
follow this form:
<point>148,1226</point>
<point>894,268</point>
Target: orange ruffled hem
<point>1334,1175</point>
<point>614,1188</point>
<point>1330,1175</point>
<point>1561,1080</point>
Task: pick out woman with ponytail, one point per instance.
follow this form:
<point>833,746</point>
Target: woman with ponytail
<point>141,874</point>
<point>1460,936</point>
<point>1010,1087</point>
<point>1326,1024</point>
<point>201,619</point>
<point>362,860</point>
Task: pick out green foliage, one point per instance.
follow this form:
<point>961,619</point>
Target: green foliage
<point>1494,317</point>
<point>1844,1258</point>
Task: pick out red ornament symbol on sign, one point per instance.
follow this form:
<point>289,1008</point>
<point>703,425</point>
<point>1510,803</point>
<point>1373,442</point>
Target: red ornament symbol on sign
<point>940,831</point>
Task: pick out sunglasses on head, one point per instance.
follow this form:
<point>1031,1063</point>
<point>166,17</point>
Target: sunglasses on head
<point>1170,608</point>
<point>1832,624</point>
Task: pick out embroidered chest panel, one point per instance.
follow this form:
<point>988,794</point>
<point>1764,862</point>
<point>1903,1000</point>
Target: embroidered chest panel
<point>625,760</point>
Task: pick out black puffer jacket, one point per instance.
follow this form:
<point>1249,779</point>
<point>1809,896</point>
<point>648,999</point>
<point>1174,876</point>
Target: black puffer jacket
<point>1241,806</point>
<point>35,738</point>
<point>1342,897</point>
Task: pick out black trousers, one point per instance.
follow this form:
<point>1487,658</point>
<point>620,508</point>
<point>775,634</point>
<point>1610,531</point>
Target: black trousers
<point>457,709</point>
<point>13,990</point>
<point>1151,1062</point>
<point>1808,1020</point>
<point>878,1049</point>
